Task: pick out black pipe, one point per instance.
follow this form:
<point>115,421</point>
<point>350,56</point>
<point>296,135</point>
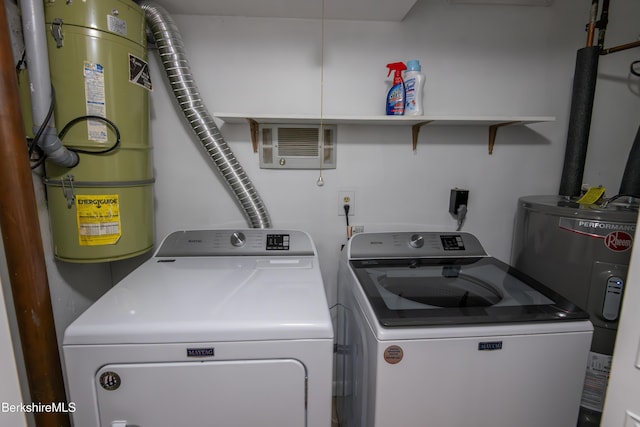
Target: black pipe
<point>631,178</point>
<point>584,88</point>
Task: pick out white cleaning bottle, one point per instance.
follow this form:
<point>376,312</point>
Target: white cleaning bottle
<point>414,86</point>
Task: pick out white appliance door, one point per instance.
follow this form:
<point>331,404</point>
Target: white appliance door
<point>202,394</point>
<point>498,381</point>
<point>622,405</point>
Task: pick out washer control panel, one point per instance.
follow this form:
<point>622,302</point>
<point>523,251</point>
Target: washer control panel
<point>414,244</point>
<point>250,242</point>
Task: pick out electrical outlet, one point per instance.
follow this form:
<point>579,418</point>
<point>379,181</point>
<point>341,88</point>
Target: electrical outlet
<point>346,198</point>
<point>457,198</point>
<point>355,229</point>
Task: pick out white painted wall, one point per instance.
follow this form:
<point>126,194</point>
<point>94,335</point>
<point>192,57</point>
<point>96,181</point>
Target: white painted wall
<point>10,393</point>
<point>478,60</point>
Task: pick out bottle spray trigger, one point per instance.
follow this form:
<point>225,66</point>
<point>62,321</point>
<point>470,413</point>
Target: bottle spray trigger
<point>397,95</point>
<point>398,68</point>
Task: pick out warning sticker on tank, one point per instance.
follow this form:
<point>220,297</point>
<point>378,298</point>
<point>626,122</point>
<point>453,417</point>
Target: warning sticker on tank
<point>98,219</point>
<point>117,25</point>
<point>95,97</point>
<point>139,72</point>
<point>595,381</point>
<point>616,236</point>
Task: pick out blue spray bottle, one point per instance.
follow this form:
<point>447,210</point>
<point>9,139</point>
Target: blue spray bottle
<point>397,96</point>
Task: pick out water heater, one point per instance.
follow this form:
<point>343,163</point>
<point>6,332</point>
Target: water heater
<point>582,252</point>
<point>101,209</point>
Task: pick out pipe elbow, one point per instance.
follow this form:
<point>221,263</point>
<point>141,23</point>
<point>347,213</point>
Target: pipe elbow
<point>56,152</point>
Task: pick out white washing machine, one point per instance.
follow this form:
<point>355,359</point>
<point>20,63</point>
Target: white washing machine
<point>219,328</point>
<point>434,332</point>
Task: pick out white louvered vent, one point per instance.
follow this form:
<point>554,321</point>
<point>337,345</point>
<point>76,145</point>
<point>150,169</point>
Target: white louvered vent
<point>297,147</point>
<point>298,142</point>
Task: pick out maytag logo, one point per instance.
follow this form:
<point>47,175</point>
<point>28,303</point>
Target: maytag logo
<point>200,352</point>
<point>490,346</point>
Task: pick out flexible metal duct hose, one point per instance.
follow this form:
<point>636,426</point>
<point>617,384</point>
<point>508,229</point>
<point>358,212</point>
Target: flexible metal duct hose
<point>175,63</point>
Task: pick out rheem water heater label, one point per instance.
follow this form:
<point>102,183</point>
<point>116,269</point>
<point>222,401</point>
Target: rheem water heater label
<point>617,237</point>
<point>596,380</point>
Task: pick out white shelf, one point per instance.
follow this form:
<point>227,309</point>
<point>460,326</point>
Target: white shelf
<point>416,122</point>
<point>381,120</point>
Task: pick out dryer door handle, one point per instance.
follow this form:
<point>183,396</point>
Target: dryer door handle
<point>119,424</point>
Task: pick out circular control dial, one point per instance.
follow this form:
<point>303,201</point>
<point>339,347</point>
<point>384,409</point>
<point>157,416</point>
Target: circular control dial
<point>416,241</point>
<point>238,239</point>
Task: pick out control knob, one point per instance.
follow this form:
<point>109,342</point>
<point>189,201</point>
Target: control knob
<point>238,239</point>
<point>416,241</point>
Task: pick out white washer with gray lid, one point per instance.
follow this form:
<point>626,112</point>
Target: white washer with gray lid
<point>432,331</point>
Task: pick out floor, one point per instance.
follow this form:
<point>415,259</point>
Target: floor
<point>334,416</point>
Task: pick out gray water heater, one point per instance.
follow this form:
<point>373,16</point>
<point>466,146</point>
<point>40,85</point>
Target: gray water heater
<point>582,252</point>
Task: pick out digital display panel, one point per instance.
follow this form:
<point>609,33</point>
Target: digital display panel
<point>452,243</point>
<point>278,242</point>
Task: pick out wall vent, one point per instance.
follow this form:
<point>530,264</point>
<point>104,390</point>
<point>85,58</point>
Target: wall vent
<point>297,146</point>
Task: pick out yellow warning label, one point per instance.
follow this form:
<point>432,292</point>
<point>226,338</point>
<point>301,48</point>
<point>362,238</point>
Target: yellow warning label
<point>98,219</point>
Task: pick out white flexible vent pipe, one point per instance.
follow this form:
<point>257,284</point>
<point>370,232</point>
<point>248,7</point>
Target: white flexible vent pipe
<point>175,63</point>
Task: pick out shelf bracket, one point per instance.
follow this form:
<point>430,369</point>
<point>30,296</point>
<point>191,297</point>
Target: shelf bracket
<point>493,130</point>
<point>415,131</point>
<point>253,127</point>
